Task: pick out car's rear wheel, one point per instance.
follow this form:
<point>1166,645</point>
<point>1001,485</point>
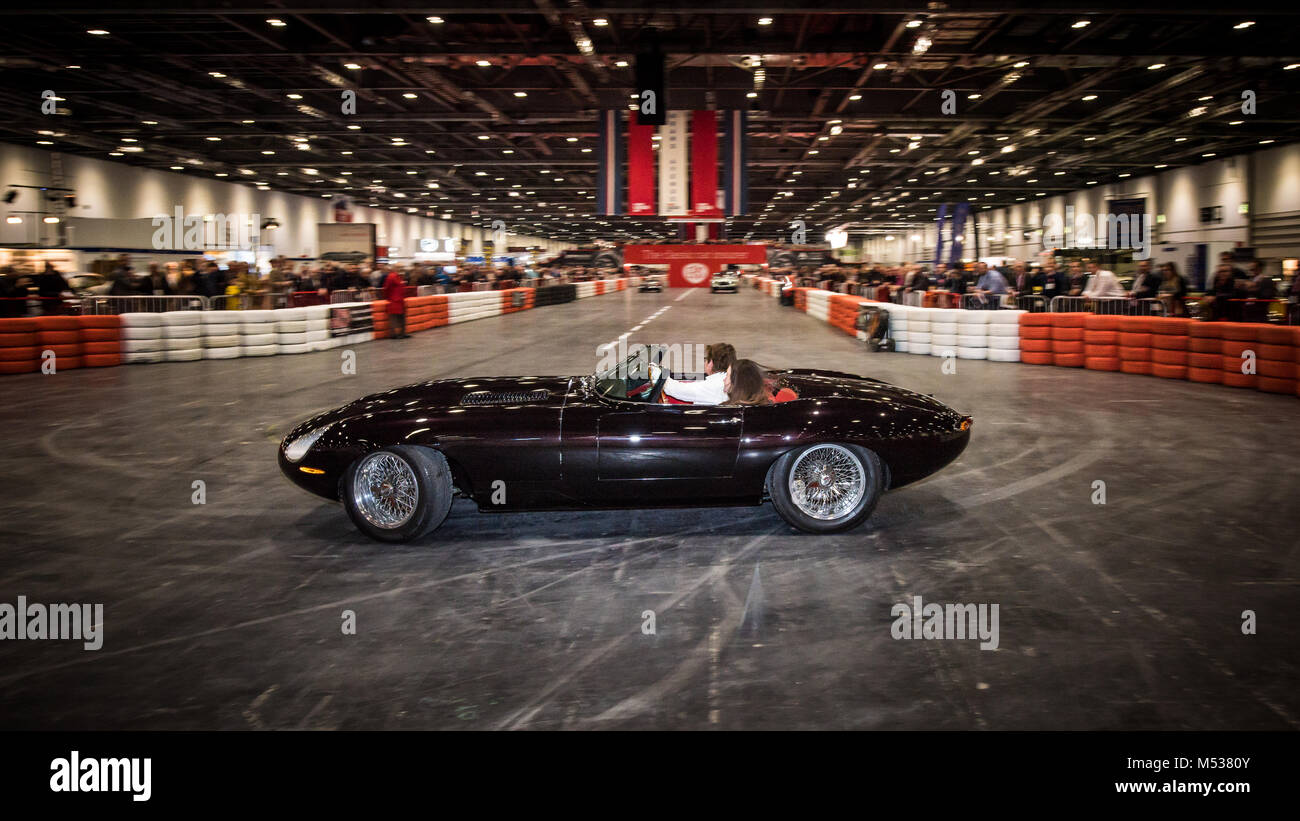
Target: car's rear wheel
<point>398,493</point>
<point>827,487</point>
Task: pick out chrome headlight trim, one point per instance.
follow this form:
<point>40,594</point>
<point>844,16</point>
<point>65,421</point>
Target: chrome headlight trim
<point>297,449</point>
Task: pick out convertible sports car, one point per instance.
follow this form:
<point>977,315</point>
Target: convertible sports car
<point>396,459</point>
<point>651,282</point>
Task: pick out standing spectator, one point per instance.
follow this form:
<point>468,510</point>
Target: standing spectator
<point>1052,283</point>
<point>1173,290</point>
<point>990,286</point>
<point>1078,279</point>
<point>13,300</point>
<point>395,294</point>
<point>1260,289</point>
<point>1101,283</point>
<point>51,286</point>
<point>1146,282</point>
<point>1218,297</point>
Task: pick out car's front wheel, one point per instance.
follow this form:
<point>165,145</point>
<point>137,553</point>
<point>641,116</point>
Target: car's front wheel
<point>827,487</point>
<point>398,493</point>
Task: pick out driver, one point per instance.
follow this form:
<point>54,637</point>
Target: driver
<point>710,390</point>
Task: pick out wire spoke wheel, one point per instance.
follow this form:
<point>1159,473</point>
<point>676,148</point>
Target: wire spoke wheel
<point>385,490</point>
<point>827,482</point>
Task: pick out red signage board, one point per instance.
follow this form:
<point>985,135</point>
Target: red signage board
<point>690,266</point>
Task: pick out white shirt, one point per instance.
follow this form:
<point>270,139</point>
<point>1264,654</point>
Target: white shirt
<point>706,391</point>
<point>1103,284</point>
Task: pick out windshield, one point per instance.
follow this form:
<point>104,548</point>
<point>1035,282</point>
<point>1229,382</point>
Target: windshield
<point>619,380</point>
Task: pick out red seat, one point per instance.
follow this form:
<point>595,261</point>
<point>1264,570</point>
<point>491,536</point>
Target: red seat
<point>785,395</point>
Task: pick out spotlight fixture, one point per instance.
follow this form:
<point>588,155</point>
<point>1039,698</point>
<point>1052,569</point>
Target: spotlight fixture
<point>270,224</point>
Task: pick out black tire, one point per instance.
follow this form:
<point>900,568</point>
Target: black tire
<point>431,482</point>
<point>779,489</point>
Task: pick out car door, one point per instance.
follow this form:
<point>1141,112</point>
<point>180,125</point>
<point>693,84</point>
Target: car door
<point>667,442</point>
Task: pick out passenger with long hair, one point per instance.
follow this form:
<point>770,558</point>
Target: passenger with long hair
<point>747,384</point>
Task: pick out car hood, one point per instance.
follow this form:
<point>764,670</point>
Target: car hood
<point>818,384</point>
<point>447,394</point>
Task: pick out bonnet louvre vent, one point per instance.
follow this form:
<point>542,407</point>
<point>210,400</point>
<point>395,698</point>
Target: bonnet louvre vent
<point>513,398</point>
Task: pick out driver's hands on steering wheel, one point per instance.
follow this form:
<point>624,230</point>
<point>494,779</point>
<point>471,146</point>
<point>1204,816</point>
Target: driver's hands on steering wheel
<point>655,372</point>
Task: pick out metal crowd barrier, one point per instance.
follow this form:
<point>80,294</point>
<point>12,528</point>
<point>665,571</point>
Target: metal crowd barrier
<point>1033,303</point>
<point>142,303</point>
<point>979,302</point>
<point>1068,304</point>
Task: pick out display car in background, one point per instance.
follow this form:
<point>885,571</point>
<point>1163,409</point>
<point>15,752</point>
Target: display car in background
<point>652,282</point>
<point>725,281</point>
<point>396,459</point>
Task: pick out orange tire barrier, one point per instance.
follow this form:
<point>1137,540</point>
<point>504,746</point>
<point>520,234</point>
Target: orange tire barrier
<point>1068,360</point>
<point>1101,351</point>
<point>1032,358</point>
<point>1101,363</point>
<point>1162,356</point>
<point>1208,375</point>
<point>1168,371</point>
<point>1134,340</point>
<point>1035,332</point>
<point>1100,322</point>
<point>1127,354</point>
<point>1134,366</point>
<point>1034,346</point>
<point>1067,347</point>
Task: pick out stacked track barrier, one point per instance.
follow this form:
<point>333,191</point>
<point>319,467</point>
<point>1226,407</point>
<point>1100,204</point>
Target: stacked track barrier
<point>1067,341</point>
<point>19,350</point>
<point>182,336</point>
<point>223,335</point>
<point>259,335</point>
<point>101,345</point>
<point>141,337</point>
<point>1278,359</point>
<point>102,340</point>
<point>62,335</point>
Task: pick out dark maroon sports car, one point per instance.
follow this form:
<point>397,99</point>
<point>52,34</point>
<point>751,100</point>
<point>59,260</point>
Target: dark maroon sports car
<point>396,459</point>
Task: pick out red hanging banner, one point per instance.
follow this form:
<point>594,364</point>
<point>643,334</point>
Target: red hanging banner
<point>640,168</point>
<point>704,164</point>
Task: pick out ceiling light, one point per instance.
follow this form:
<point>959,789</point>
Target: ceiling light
<point>973,96</point>
<point>437,21</point>
<point>751,95</point>
<point>294,96</point>
<point>855,97</point>
<point>97,32</point>
<point>765,21</point>
<point>1081,24</point>
<point>1089,97</point>
<point>483,63</point>
<point>354,128</point>
<point>483,136</point>
<point>275,21</point>
<point>621,63</point>
<point>214,139</point>
<point>880,66</point>
<point>1245,24</point>
<point>521,93</point>
<point>600,21</point>
<point>1155,66</point>
<point>1021,64</point>
<point>408,95</point>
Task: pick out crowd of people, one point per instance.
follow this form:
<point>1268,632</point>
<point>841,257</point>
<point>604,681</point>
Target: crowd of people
<point>1235,294</point>
<point>239,284</point>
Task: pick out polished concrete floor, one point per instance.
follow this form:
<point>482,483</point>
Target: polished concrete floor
<point>1125,615</point>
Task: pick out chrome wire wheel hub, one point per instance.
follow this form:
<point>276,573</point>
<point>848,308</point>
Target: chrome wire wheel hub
<point>385,490</point>
<point>827,481</point>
